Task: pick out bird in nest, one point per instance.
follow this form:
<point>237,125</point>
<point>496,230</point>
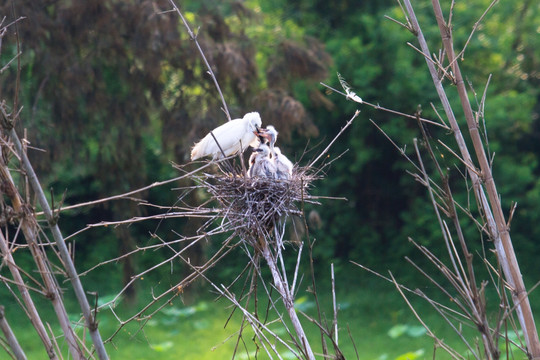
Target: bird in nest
<point>230,138</point>
<point>236,136</point>
<point>282,164</point>
<point>261,165</point>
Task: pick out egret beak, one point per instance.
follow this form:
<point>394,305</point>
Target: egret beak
<point>259,131</point>
<point>262,134</point>
<point>265,134</point>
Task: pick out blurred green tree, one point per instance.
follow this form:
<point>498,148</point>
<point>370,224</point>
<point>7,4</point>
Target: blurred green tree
<point>115,90</point>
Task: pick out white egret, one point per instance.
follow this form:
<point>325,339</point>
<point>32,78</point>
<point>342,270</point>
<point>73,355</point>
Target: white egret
<point>233,136</point>
<point>284,166</point>
<point>260,163</point>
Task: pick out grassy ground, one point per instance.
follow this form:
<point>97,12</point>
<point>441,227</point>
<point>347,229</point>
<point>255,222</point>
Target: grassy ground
<point>381,326</point>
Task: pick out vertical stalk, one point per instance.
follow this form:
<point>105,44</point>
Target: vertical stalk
<point>33,314</point>
<point>210,71</point>
<point>29,227</point>
<point>10,337</point>
<point>336,338</point>
<point>492,206</point>
<point>287,299</point>
<point>90,319</point>
<point>519,293</point>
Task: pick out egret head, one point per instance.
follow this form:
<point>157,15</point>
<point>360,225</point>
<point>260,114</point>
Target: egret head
<point>270,134</point>
<point>254,120</point>
<point>262,150</point>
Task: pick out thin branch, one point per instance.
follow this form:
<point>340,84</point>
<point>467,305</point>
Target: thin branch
<point>378,107</point>
<point>438,341</point>
<point>136,191</point>
<point>474,28</point>
<point>335,320</point>
<point>334,140</point>
<point>194,38</point>
<point>91,322</point>
<point>10,336</point>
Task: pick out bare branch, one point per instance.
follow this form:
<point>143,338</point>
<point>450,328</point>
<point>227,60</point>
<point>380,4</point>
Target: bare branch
<point>194,38</point>
<point>10,336</point>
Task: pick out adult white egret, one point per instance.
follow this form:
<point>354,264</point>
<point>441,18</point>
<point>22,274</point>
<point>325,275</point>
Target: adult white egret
<point>260,163</point>
<point>233,136</point>
<point>284,166</point>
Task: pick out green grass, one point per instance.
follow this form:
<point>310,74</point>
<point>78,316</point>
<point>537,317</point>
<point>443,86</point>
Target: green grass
<point>380,324</point>
<point>372,314</point>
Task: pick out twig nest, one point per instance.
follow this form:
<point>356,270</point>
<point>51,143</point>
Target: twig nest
<point>254,205</point>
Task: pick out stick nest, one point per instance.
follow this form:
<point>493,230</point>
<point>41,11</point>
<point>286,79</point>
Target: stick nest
<point>254,205</point>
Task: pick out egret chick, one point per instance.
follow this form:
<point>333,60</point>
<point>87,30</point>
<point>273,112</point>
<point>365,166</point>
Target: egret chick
<point>260,164</point>
<point>283,165</point>
<point>233,136</point>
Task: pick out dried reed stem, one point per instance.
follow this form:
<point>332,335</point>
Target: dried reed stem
<point>288,301</point>
<point>90,318</point>
<point>494,214</point>
<point>30,307</point>
<point>10,336</point>
<point>440,343</point>
<point>335,320</point>
<point>30,230</point>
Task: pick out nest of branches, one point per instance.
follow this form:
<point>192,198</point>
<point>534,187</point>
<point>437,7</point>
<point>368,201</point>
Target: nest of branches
<point>253,206</point>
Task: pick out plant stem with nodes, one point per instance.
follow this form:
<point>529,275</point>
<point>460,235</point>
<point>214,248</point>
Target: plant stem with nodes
<point>30,307</point>
<point>10,336</point>
<point>90,318</point>
<point>494,214</point>
<point>287,298</point>
<point>30,230</point>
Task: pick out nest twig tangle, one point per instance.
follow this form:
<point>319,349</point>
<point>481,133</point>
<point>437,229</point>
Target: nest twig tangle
<point>252,207</point>
<point>255,210</point>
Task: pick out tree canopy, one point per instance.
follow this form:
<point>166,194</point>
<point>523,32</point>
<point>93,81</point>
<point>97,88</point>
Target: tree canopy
<point>113,91</point>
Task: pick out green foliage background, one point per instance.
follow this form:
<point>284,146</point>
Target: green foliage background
<point>113,91</point>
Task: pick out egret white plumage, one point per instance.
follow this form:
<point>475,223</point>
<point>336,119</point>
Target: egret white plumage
<point>283,165</point>
<point>233,136</point>
<point>260,163</point>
